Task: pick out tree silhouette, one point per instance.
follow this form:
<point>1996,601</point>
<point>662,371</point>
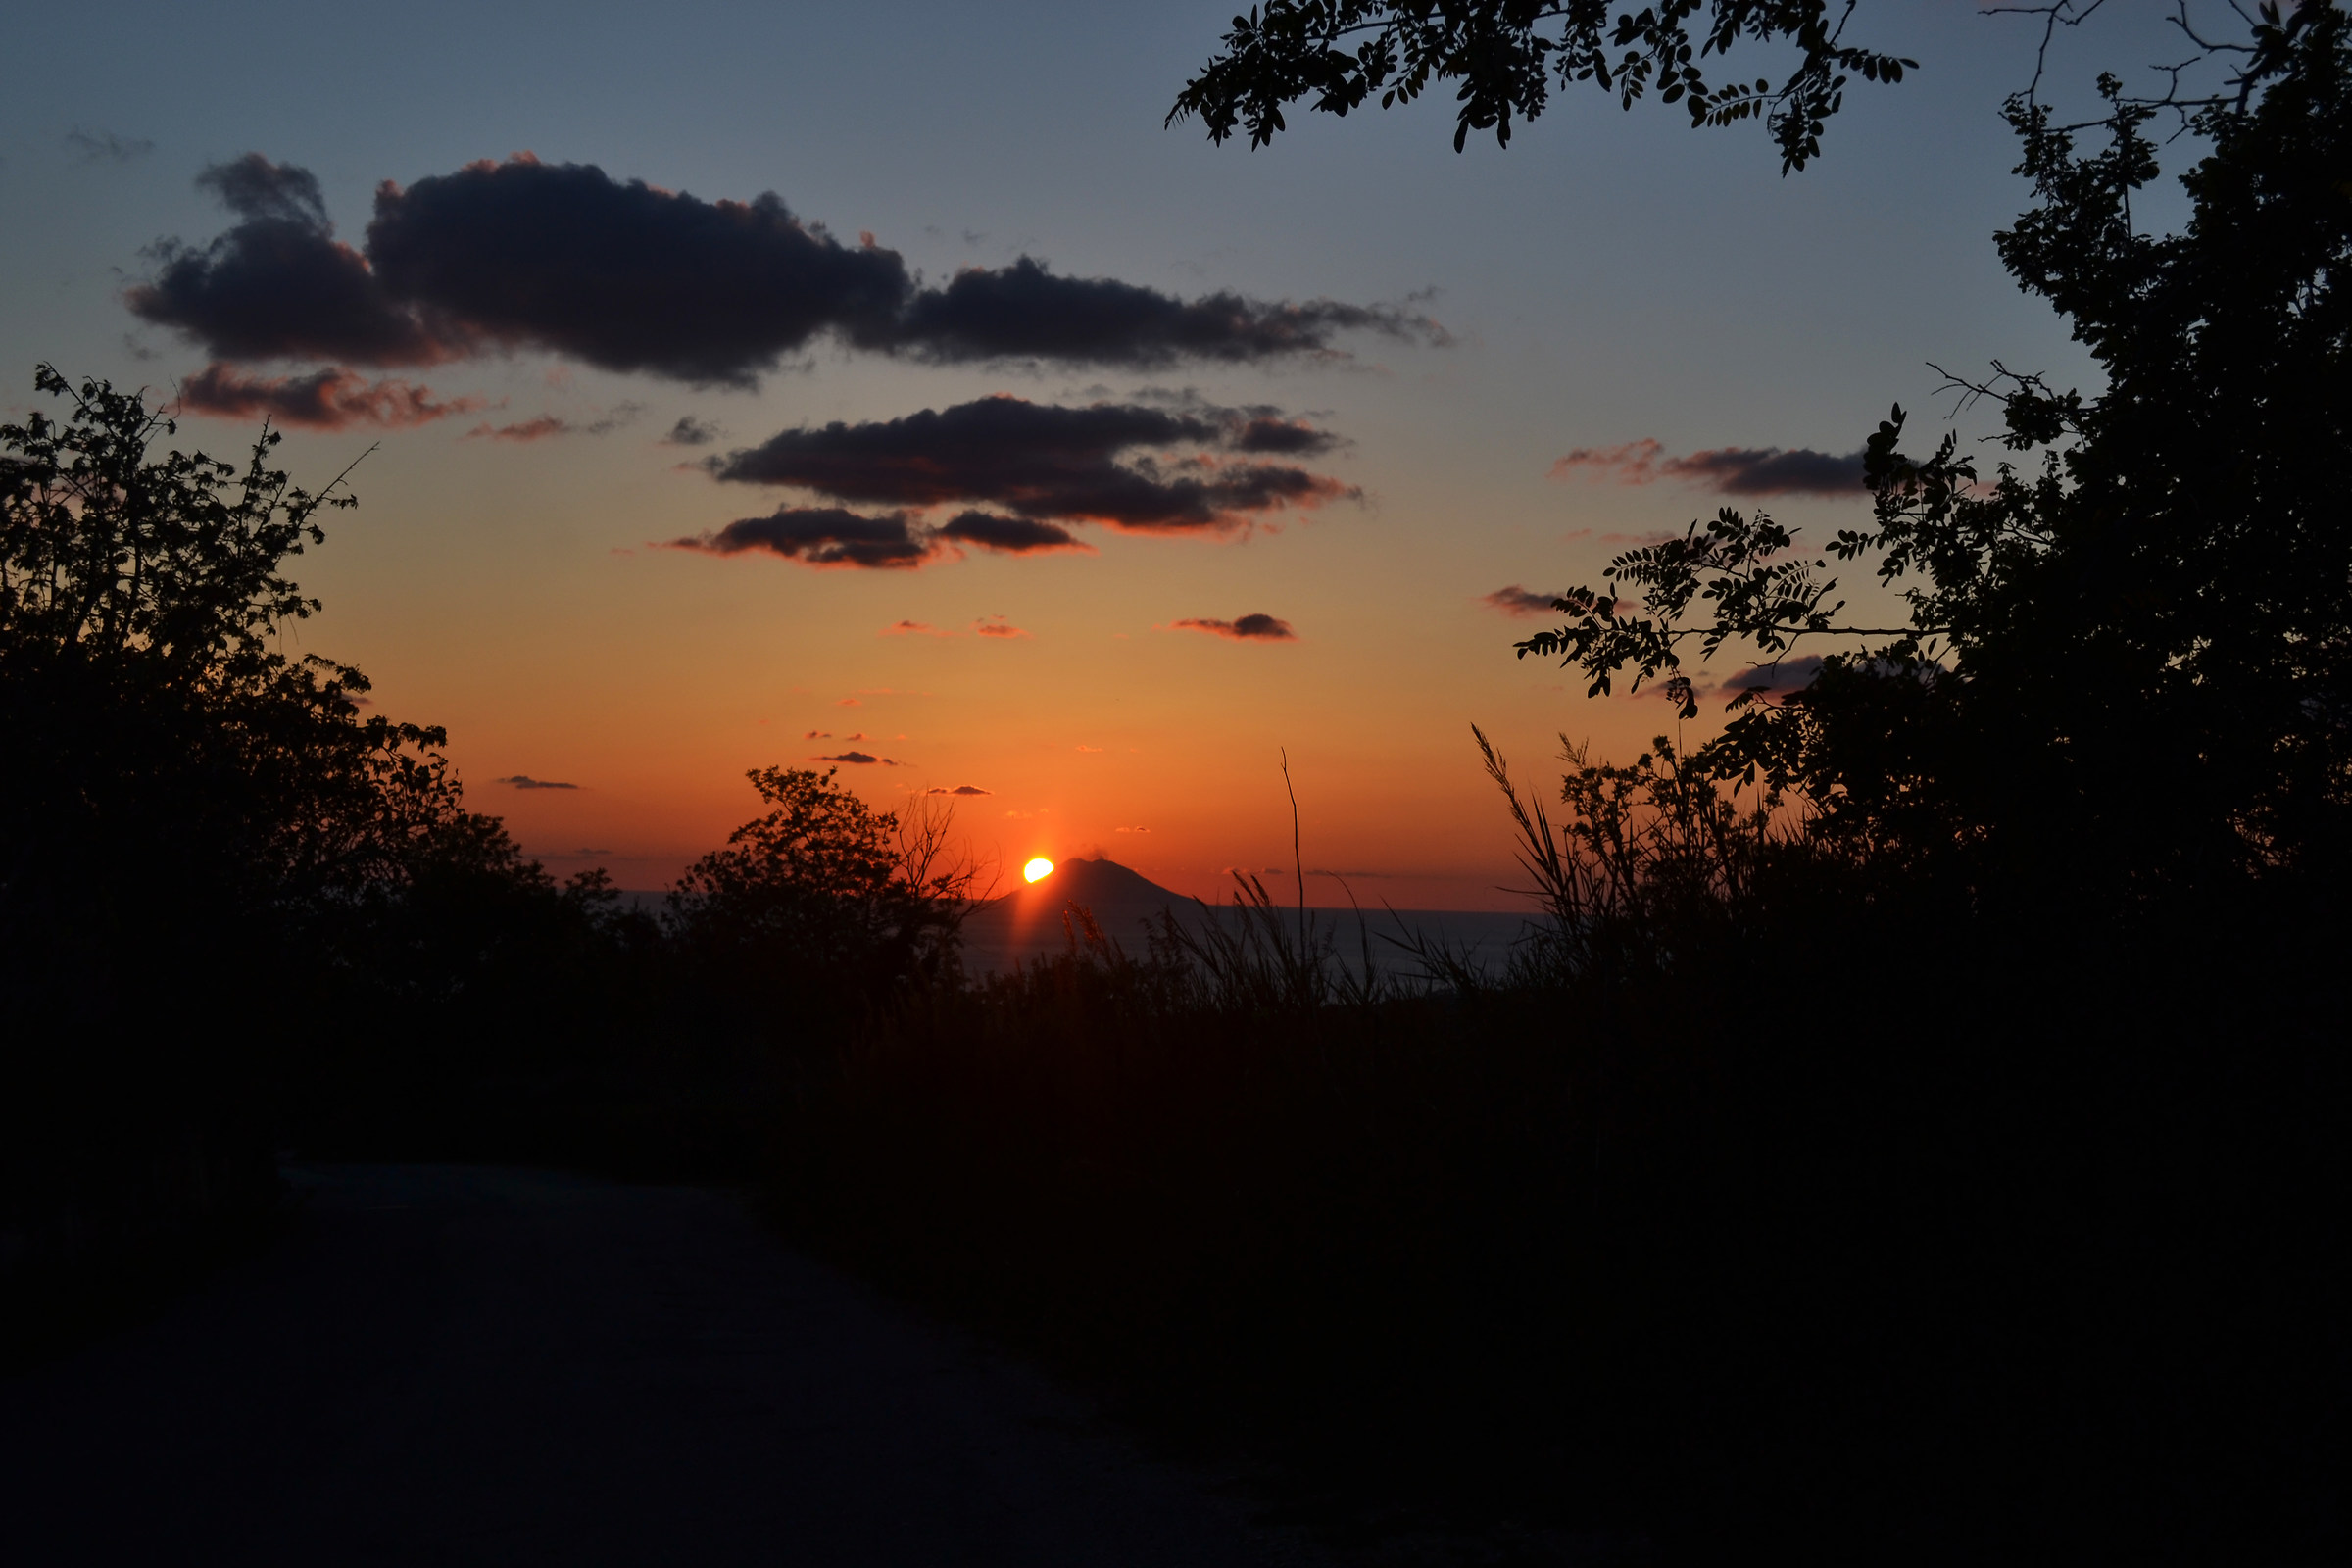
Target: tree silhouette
<point>824,889</point>
<point>1508,55</point>
<point>2159,586</point>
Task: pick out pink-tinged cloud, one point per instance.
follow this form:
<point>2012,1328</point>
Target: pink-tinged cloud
<point>547,424</point>
<point>1520,603</point>
<point>538,429</point>
<point>995,627</point>
<point>850,702</point>
<point>819,735</point>
<point>1090,748</point>
<point>913,628</point>
<point>1730,470</point>
<point>329,398</point>
<point>1247,629</point>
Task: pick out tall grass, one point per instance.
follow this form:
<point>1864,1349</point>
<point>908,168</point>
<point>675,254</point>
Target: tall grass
<point>1753,1205</point>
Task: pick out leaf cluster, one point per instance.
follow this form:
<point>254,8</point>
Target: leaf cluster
<point>1507,55</point>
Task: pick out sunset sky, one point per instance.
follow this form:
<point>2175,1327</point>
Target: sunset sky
<point>1073,462</point>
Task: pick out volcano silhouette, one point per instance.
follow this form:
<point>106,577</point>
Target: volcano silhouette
<point>1028,921</point>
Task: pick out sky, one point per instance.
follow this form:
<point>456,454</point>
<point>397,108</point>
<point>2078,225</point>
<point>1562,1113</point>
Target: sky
<point>741,386</point>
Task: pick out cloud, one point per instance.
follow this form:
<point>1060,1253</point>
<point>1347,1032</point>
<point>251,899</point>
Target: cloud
<point>961,789</point>
<point>995,627</point>
<point>1131,830</point>
<point>549,424</point>
<point>565,259</point>
<point>1777,679</point>
<point>1026,311</point>
<point>329,399</point>
<point>524,781</point>
<point>690,431</point>
<point>538,429</point>
<point>280,285</point>
<point>1520,602</point>
<point>94,146</point>
<point>820,536</point>
<point>1090,748</point>
<point>819,735</point>
<point>859,759</point>
<point>1014,536</point>
<point>913,628</point>
<point>1731,471</point>
<point>1249,628</point>
<point>1132,467</point>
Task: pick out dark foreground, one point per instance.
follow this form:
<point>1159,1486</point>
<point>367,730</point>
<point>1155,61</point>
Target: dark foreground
<point>461,1366</point>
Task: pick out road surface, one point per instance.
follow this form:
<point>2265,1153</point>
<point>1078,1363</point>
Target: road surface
<point>454,1365</point>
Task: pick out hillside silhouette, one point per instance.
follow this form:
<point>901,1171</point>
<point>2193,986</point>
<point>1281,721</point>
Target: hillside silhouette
<point>1027,923</point>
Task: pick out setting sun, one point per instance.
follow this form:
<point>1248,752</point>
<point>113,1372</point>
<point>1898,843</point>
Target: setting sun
<point>1039,869</point>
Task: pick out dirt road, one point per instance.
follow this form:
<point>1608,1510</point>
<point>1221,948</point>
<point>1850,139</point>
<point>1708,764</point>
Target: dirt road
<point>470,1366</point>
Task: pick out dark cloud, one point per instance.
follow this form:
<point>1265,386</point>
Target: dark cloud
<point>105,147</point>
<point>1772,472</point>
<point>1025,312</point>
<point>1123,464</point>
<point>1517,601</point>
<point>524,781</point>
<point>859,759</point>
<point>1731,471</point>
<point>1249,628</point>
<point>820,536</point>
<point>280,285</point>
<point>329,399</point>
<point>914,628</point>
<point>690,431</point>
<point>1014,536</point>
<point>961,789</point>
<point>1776,679</point>
<point>995,627</point>
<point>625,275</point>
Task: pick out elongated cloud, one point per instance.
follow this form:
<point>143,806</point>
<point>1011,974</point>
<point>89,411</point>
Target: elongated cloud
<point>820,536</point>
<point>1131,465</point>
<point>1731,470</point>
<point>1247,629</point>
<point>1025,312</point>
<point>549,424</point>
<point>330,399</point>
<point>565,259</point>
<point>961,789</point>
<point>1520,602</point>
<point>860,760</point>
<point>1011,536</point>
<point>524,781</point>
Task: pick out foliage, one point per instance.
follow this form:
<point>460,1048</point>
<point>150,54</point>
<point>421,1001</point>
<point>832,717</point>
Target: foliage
<point>143,605</point>
<point>1507,54</point>
<point>2159,587</point>
<point>824,886</point>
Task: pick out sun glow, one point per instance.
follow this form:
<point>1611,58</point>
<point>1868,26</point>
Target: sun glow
<point>1039,869</point>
